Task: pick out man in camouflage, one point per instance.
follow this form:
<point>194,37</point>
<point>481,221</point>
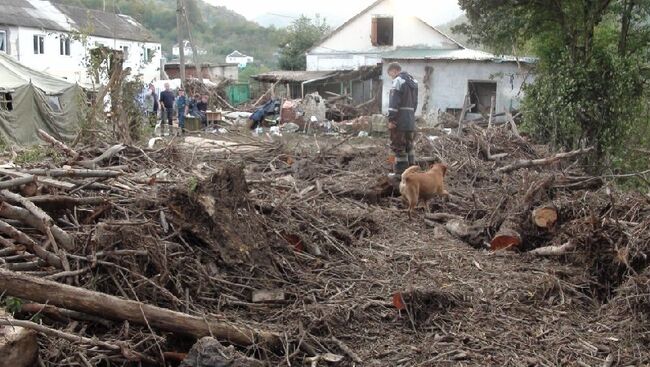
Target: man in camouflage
<point>401,118</point>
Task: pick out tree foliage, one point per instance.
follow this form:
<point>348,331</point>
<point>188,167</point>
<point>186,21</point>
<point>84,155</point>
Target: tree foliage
<point>591,85</point>
<point>302,35</point>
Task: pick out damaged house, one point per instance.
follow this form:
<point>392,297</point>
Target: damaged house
<point>446,70</point>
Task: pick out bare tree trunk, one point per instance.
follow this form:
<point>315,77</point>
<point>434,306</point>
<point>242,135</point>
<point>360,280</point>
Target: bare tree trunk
<point>115,308</point>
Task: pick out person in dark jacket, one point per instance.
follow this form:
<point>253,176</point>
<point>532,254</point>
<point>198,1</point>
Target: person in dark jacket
<point>167,99</point>
<point>401,117</point>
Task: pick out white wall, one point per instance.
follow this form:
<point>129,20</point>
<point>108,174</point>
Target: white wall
<point>450,79</point>
<point>354,39</point>
<point>73,67</point>
<point>241,61</point>
<point>348,61</point>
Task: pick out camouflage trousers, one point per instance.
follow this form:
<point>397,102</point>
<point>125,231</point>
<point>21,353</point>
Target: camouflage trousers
<point>402,143</point>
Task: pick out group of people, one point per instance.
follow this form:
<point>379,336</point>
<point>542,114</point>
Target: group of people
<point>401,113</point>
<point>167,102</point>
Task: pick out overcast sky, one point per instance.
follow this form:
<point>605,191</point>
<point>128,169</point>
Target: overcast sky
<point>433,11</point>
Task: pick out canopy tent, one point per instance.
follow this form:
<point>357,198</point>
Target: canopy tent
<point>32,100</point>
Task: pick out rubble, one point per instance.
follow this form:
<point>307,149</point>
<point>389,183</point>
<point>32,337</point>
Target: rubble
<point>290,248</point>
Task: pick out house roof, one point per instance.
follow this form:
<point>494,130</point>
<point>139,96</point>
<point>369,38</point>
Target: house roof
<point>27,14</point>
<point>104,24</point>
<point>364,72</point>
<point>292,76</point>
<point>236,54</point>
<point>48,15</point>
<point>407,53</point>
<point>367,9</point>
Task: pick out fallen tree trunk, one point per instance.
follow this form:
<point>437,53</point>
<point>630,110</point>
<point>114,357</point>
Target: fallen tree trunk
<point>115,308</point>
<point>543,161</point>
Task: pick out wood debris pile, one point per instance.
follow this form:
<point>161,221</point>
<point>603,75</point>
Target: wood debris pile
<point>293,251</point>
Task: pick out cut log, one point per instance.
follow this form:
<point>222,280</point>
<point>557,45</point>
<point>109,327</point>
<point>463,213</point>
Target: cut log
<point>545,216</point>
<point>507,238</point>
<point>18,346</point>
<point>542,162</point>
<point>115,308</point>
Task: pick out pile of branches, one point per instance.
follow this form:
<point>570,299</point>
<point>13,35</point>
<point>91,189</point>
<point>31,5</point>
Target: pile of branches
<point>509,194</point>
<point>217,95</point>
<point>130,255</point>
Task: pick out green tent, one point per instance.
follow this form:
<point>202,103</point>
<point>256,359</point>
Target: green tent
<point>32,100</point>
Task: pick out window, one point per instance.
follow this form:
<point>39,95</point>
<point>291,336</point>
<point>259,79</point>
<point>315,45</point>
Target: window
<point>6,101</point>
<point>55,103</point>
<point>381,32</point>
<point>148,55</point>
<point>125,51</point>
<point>480,95</point>
<point>3,41</point>
<point>64,46</point>
<point>39,45</point>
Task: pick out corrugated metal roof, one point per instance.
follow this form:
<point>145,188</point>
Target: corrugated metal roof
<point>362,73</point>
<point>463,54</point>
<point>293,76</point>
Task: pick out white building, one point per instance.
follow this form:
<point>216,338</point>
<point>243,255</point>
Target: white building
<point>56,39</point>
<point>187,50</point>
<point>239,58</point>
<point>383,33</point>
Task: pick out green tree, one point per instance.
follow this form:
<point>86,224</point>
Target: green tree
<point>589,87</point>
<point>302,35</point>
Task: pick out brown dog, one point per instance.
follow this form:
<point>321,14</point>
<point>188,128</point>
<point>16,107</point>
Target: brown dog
<point>417,186</point>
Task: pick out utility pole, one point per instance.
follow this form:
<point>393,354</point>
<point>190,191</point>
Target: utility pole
<point>181,46</point>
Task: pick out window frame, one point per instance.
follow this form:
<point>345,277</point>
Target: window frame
<point>4,40</point>
<point>64,46</point>
<point>6,104</point>
<point>39,44</point>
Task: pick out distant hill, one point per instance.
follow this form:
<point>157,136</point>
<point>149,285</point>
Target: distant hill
<point>216,29</point>
<point>461,38</point>
<point>283,19</point>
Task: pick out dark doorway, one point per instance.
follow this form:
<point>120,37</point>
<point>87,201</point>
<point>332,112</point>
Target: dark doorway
<point>480,94</point>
